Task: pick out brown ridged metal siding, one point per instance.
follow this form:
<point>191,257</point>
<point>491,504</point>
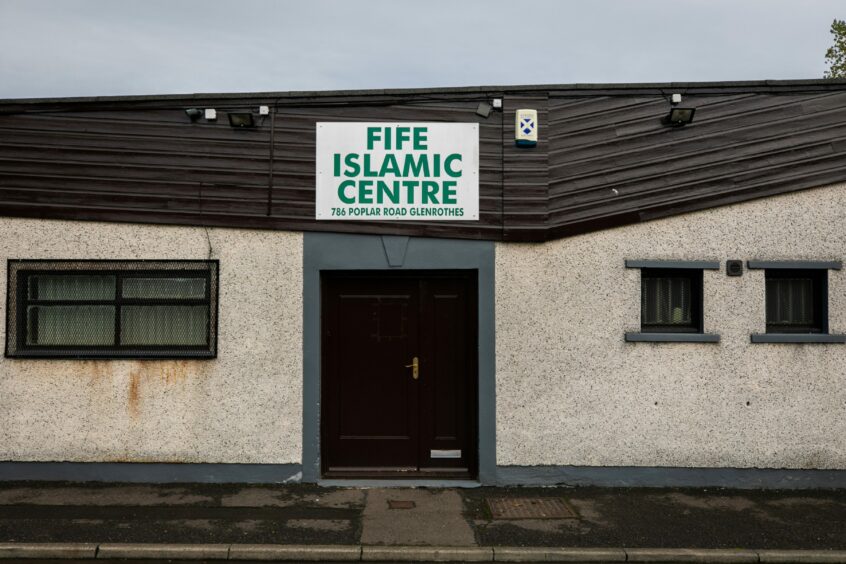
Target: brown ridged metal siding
<point>294,156</point>
<point>603,159</point>
<point>610,163</point>
<point>525,189</point>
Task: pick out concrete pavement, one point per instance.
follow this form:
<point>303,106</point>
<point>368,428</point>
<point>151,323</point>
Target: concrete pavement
<point>306,522</point>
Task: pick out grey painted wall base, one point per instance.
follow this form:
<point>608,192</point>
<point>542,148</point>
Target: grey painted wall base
<point>152,473</point>
<point>656,477</point>
<point>623,476</point>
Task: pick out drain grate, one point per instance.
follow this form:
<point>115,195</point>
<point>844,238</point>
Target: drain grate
<point>401,504</point>
<point>530,508</point>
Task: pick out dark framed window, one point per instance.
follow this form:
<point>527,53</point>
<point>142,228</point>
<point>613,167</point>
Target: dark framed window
<point>796,300</point>
<point>671,300</point>
<point>671,309</point>
<point>112,309</point>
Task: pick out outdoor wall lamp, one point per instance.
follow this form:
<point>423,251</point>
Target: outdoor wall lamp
<point>679,117</point>
<point>241,119</point>
<point>484,109</point>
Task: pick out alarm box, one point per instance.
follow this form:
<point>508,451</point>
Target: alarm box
<point>526,128</point>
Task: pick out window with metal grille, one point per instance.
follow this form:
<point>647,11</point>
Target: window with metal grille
<point>112,309</point>
<point>671,300</point>
<point>795,301</point>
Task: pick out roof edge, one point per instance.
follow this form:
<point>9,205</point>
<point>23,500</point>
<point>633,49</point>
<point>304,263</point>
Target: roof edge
<point>752,85</point>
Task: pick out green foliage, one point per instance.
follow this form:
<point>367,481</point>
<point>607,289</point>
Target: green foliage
<point>835,56</point>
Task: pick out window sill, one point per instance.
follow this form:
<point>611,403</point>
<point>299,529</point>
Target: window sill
<point>798,338</point>
<point>672,338</point>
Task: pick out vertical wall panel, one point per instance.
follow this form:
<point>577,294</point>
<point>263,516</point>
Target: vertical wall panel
<point>525,193</point>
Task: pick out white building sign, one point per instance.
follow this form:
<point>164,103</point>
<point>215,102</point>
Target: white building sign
<point>398,171</point>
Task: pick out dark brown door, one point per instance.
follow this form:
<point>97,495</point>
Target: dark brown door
<point>377,419</point>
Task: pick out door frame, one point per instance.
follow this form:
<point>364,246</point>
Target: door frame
<point>332,251</point>
<point>470,278</point>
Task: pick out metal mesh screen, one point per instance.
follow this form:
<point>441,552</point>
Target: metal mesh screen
<point>666,301</point>
<point>112,309</point>
<point>68,325</point>
<point>72,287</point>
<point>164,288</point>
<point>164,325</point>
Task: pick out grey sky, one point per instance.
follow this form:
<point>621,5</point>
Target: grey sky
<point>107,47</point>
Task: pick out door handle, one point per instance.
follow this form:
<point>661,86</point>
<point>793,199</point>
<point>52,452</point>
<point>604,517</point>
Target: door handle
<point>415,368</point>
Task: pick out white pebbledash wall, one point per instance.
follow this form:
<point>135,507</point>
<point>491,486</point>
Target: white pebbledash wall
<point>570,391</point>
<point>245,406</point>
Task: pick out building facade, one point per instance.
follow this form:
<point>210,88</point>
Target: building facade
<point>638,303</point>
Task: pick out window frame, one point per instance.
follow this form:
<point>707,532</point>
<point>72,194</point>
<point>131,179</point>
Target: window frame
<point>696,306</point>
<point>18,300</point>
<point>689,334</point>
<point>819,295</point>
<point>784,268</point>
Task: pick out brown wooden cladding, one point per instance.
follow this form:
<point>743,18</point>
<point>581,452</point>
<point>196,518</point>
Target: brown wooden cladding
<point>603,158</point>
<point>525,187</point>
<point>612,162</point>
<point>294,166</point>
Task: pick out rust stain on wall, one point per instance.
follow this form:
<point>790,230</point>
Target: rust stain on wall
<point>152,375</point>
<point>134,398</point>
<point>97,369</point>
<point>175,371</point>
<point>145,377</point>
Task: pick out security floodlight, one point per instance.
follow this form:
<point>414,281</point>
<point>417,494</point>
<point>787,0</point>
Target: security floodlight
<point>193,114</point>
<point>679,117</point>
<point>241,119</point>
<point>484,109</point>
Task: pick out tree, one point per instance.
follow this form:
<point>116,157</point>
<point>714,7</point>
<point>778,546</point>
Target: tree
<point>835,56</point>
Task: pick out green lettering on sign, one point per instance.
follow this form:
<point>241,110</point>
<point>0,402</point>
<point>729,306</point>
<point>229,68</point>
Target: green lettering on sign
<point>420,138</point>
<point>449,192</point>
<point>389,166</point>
<point>342,194</point>
<point>351,162</point>
<point>419,167</point>
<point>411,185</point>
<point>372,136</point>
<point>430,191</point>
<point>382,190</point>
<point>368,169</point>
<point>389,171</point>
<point>403,134</point>
<point>448,165</point>
<point>365,191</point>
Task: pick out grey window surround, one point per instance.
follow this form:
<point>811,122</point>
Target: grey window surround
<point>672,338</point>
<point>794,264</point>
<point>691,264</point>
<point>649,337</point>
<point>336,251</point>
<point>798,338</point>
